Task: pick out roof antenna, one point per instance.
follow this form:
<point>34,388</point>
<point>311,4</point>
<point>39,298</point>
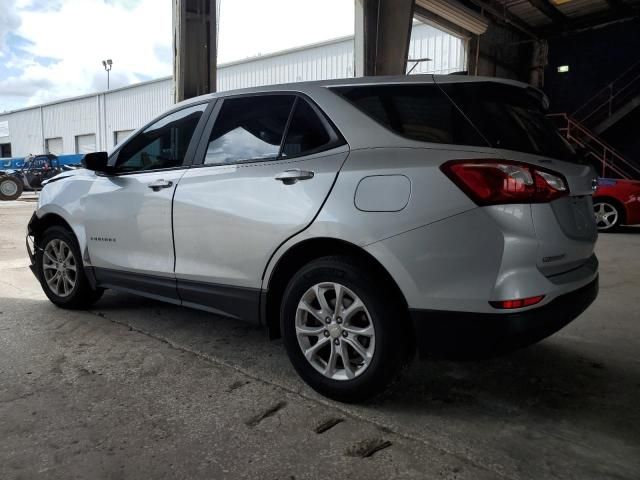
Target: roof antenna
<point>417,60</point>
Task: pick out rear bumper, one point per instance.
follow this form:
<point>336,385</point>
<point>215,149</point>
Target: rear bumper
<point>472,335</point>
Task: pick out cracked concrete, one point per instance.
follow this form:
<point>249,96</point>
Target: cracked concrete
<point>138,389</point>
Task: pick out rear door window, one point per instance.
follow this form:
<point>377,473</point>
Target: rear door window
<point>307,133</point>
<point>249,129</point>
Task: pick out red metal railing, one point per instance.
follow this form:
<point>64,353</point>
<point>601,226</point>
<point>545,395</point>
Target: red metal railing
<point>610,160</point>
<point>607,101</point>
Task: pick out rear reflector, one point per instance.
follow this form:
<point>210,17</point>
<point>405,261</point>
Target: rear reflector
<point>491,182</point>
<point>520,303</point>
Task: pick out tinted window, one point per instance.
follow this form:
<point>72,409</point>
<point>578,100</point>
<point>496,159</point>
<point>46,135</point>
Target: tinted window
<point>306,133</point>
<point>161,145</point>
<point>419,112</point>
<point>510,117</point>
<point>40,162</point>
<point>249,128</point>
<point>501,116</point>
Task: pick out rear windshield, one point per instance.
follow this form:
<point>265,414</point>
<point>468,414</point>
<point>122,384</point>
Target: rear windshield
<point>477,114</point>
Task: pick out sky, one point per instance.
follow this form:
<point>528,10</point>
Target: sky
<point>52,49</point>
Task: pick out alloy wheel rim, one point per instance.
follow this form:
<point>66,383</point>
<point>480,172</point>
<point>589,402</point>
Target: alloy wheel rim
<point>8,188</point>
<point>335,331</point>
<point>606,215</point>
<point>59,267</point>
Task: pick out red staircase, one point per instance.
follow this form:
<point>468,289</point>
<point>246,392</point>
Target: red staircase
<point>616,100</point>
<point>612,163</point>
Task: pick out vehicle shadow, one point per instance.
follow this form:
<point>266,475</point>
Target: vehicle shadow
<point>628,229</point>
<point>556,407</point>
<point>553,381</point>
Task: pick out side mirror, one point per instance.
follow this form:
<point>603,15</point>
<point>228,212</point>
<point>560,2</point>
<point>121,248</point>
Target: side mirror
<point>97,162</point>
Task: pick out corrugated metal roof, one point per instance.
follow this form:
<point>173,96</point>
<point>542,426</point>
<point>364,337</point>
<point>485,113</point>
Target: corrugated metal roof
<point>528,13</point>
<point>88,95</point>
<point>572,9</point>
<point>580,8</point>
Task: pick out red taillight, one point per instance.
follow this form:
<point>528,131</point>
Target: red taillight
<point>492,183</point>
<point>520,303</point>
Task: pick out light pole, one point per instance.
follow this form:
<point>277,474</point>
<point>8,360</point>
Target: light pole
<point>107,64</point>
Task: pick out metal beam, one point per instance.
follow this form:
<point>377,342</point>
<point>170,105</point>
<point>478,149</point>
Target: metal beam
<point>382,35</point>
<point>499,11</point>
<point>589,22</point>
<point>431,18</point>
<point>194,48</point>
<point>619,6</point>
<point>546,7</point>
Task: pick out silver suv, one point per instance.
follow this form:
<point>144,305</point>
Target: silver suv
<point>358,219</point>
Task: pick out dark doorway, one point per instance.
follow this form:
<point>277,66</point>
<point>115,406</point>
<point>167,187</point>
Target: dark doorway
<point>5,150</point>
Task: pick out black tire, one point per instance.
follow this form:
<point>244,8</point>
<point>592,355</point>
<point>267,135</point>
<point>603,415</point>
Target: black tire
<point>614,218</point>
<point>10,188</point>
<point>387,314</point>
<point>81,296</point>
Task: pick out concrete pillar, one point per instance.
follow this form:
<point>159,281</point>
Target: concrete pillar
<point>382,34</point>
<point>194,47</point>
<point>539,60</point>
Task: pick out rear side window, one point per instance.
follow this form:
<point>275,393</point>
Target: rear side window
<point>510,117</point>
<point>307,132</point>
<point>249,128</point>
<point>496,115</point>
<point>419,112</point>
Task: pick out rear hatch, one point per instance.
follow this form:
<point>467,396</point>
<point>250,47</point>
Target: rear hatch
<point>511,118</point>
<point>502,119</point>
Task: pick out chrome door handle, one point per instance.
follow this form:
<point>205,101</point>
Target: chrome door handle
<point>157,185</point>
<point>289,177</point>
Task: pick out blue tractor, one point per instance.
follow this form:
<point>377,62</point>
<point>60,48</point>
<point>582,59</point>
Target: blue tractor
<point>34,170</point>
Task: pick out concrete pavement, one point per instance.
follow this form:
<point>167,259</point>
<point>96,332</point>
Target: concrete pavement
<point>139,389</point>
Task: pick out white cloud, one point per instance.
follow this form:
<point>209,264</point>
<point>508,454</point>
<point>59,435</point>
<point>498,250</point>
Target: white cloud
<point>66,40</point>
<point>78,36</point>
<point>9,20</point>
<point>252,27</point>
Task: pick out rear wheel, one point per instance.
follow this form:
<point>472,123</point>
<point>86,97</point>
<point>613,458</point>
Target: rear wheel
<point>608,215</point>
<point>346,336</point>
<point>10,188</point>
<point>61,272</point>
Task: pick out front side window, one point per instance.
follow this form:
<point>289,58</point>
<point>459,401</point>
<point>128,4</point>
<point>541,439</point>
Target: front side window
<point>249,128</point>
<point>161,145</point>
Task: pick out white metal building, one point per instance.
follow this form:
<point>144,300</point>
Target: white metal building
<point>99,121</point>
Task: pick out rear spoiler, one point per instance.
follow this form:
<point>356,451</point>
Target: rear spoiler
<point>539,96</point>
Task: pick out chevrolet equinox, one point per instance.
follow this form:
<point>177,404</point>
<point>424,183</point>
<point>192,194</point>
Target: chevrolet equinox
<point>359,219</point>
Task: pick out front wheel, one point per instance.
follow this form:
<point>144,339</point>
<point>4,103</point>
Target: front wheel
<point>345,334</point>
<point>61,272</point>
<point>608,215</point>
<point>10,188</point>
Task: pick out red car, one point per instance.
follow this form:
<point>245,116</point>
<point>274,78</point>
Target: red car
<point>616,203</point>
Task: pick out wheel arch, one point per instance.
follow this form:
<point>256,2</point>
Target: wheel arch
<point>620,205</point>
<point>304,252</point>
<point>38,225</point>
